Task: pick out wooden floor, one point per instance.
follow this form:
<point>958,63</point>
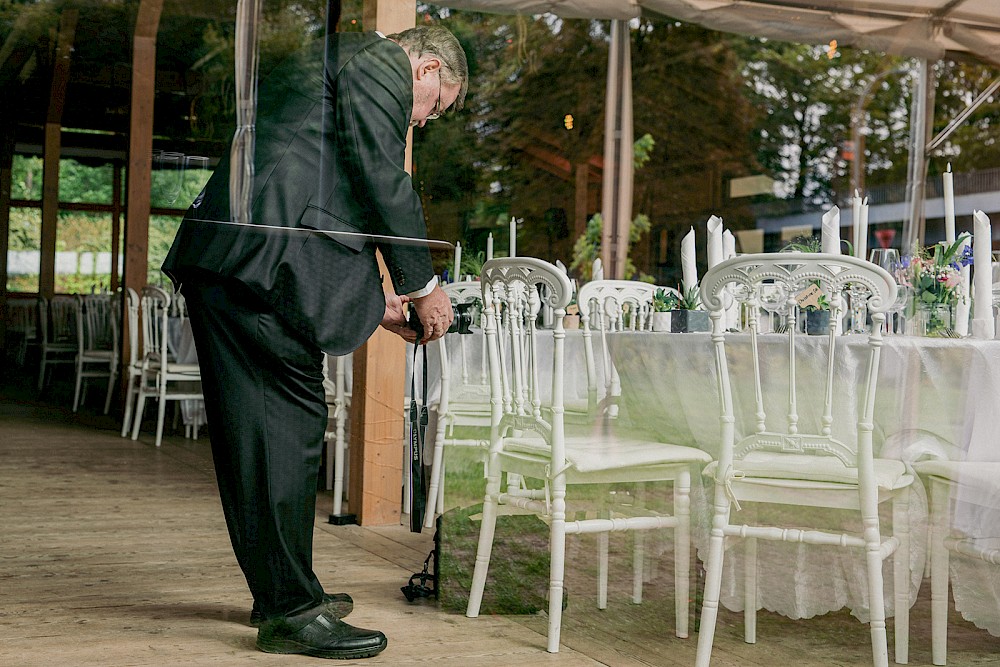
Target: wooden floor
<point>113,552</point>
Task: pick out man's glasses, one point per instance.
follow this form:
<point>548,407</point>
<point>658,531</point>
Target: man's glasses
<point>437,107</point>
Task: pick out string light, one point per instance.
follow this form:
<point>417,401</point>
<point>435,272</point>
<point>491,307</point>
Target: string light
<point>831,49</point>
<point>568,121</point>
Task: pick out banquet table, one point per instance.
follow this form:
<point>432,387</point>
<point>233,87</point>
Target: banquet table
<point>937,398</point>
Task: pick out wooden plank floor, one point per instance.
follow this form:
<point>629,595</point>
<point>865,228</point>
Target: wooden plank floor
<point>113,552</point>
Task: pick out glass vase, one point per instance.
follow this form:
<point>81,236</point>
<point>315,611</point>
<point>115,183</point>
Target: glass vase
<point>933,319</point>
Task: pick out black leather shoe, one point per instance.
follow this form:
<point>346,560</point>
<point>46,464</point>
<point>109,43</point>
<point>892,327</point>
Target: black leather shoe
<point>324,637</point>
<point>338,604</point>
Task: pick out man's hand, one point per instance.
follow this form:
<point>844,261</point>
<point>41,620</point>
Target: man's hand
<point>394,319</point>
<point>434,311</point>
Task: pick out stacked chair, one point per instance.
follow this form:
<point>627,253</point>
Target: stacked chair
<point>609,306</point>
<point>21,328</point>
<point>97,327</point>
<point>161,377</point>
<point>466,404</point>
<point>824,460</point>
<point>57,328</point>
<point>534,466</point>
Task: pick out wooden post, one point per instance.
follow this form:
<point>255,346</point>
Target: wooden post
<point>51,152</point>
<point>374,493</point>
<point>140,144</point>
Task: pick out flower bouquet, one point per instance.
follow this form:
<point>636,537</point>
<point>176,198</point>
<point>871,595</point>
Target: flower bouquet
<point>934,275</point>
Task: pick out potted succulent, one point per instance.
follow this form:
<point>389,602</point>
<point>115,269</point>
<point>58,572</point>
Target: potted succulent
<point>815,309</point>
<point>687,316</point>
<point>814,306</point>
<point>663,303</point>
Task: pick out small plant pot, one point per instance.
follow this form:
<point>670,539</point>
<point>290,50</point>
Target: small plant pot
<point>817,322</point>
<point>660,321</point>
<point>689,321</point>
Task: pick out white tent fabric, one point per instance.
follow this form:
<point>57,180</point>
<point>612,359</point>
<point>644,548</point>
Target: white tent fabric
<point>920,28</point>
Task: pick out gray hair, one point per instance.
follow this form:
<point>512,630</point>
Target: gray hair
<point>439,42</point>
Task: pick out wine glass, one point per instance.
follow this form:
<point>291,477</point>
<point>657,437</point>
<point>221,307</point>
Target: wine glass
<point>772,298</point>
<point>171,175</point>
<point>887,258</point>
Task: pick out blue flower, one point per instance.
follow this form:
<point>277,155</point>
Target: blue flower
<point>966,258</point>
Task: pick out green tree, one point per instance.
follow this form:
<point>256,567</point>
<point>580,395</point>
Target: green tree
<point>805,97</point>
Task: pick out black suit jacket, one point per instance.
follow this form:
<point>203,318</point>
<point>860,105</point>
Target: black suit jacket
<point>330,145</point>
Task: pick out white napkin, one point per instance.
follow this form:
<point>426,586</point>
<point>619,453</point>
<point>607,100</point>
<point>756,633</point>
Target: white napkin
<point>732,308</point>
<point>962,308</point>
<point>831,231</point>
<point>715,252</point>
<point>982,260</point>
<point>728,245</point>
<point>689,267</point>
<point>598,271</point>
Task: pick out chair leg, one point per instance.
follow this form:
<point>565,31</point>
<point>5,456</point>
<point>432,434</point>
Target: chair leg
<point>161,413</point>
<point>901,575</point>
<point>713,579</point>
<point>939,571</point>
<point>750,591</point>
<point>485,547</point>
<point>130,393</point>
<point>436,463</point>
<point>137,418</point>
<point>79,381</point>
<point>876,592</point>
<point>338,473</point>
<point>682,553</point>
<point>111,390</point>
<point>602,569</point>
<point>557,564</point>
<point>638,548</point>
<point>41,371</point>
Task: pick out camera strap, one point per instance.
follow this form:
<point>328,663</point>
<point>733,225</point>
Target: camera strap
<point>418,428</point>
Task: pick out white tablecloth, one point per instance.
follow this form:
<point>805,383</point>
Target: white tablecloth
<point>936,398</point>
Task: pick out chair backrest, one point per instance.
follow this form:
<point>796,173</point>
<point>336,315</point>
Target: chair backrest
<point>611,305</point>
<point>132,315</point>
<point>154,310</point>
<point>99,323</point>
<point>511,303</point>
<point>22,316</point>
<point>464,292</point>
<point>62,319</point>
<point>808,377</point>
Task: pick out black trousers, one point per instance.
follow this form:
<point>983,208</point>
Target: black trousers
<point>263,387</point>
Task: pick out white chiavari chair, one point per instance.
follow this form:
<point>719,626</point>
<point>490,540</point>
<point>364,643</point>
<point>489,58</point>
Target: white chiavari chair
<point>57,333</point>
<point>823,460</point>
<point>161,377</point>
<point>545,467</point>
<point>97,345</point>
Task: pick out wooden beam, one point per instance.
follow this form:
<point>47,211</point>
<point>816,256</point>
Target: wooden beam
<point>51,151</point>
<point>375,491</point>
<point>140,144</point>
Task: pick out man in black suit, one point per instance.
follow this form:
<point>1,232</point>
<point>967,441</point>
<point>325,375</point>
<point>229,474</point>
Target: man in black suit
<point>265,303</point>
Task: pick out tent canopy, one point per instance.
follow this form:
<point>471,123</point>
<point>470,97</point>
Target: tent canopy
<point>920,28</point>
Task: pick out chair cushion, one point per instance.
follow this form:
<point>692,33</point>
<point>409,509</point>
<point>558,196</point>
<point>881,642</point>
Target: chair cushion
<point>587,454</point>
<point>889,473</point>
